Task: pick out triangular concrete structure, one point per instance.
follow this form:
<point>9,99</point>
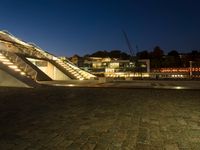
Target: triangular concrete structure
<point>29,63</point>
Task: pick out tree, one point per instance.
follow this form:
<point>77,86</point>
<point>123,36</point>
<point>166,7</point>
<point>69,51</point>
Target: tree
<point>157,52</point>
<point>118,54</point>
<point>173,53</point>
<point>125,56</point>
<point>115,54</point>
<point>194,55</point>
<point>143,54</point>
<point>173,59</point>
<point>157,57</point>
<point>112,54</point>
<point>100,54</point>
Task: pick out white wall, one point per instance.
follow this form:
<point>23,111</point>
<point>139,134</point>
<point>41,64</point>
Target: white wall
<point>49,69</point>
<point>53,72</point>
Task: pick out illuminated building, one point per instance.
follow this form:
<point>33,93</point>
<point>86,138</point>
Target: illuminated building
<point>182,73</point>
<point>114,67</point>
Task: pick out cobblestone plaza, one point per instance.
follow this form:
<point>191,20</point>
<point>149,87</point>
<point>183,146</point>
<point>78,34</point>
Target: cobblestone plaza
<point>60,118</point>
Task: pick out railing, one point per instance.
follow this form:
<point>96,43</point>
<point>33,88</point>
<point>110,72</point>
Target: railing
<point>42,52</point>
<point>79,71</point>
<point>68,67</point>
<point>20,63</point>
<point>30,51</point>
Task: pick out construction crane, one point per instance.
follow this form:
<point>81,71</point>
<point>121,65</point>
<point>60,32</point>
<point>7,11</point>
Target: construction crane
<point>133,57</point>
<point>131,51</point>
<point>129,45</point>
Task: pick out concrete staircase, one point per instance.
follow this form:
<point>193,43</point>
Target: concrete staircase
<point>30,49</point>
<point>10,64</point>
<point>14,62</point>
<point>72,71</point>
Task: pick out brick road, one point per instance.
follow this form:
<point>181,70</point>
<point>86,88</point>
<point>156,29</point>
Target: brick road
<point>99,118</point>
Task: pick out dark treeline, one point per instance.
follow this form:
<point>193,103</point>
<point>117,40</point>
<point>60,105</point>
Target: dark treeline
<point>171,59</point>
<point>157,57</point>
<point>112,54</point>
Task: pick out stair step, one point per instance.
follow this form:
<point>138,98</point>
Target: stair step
<point>7,63</point>
<point>78,73</point>
<point>11,65</point>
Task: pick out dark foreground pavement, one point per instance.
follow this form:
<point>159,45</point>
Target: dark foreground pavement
<point>59,118</point>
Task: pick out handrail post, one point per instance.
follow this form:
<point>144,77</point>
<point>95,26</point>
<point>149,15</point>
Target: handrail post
<point>25,68</point>
<point>16,59</point>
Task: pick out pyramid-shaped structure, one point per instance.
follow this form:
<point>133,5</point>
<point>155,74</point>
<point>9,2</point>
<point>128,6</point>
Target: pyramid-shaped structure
<point>28,63</point>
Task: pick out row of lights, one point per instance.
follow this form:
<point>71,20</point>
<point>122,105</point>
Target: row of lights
<point>116,75</point>
<point>177,76</point>
<point>72,71</point>
<point>11,65</point>
<point>83,73</point>
<point>164,70</point>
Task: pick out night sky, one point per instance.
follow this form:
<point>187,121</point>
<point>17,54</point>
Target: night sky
<point>68,27</point>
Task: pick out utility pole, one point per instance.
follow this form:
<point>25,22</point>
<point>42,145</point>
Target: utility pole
<point>190,69</point>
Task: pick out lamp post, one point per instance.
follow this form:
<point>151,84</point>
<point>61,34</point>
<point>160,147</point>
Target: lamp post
<point>190,69</point>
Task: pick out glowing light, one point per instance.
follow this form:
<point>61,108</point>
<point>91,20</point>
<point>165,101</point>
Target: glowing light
<point>7,63</point>
<point>14,67</point>
<point>4,59</point>
<point>178,87</point>
<point>22,73</point>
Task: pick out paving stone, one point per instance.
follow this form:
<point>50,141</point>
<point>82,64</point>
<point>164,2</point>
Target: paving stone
<point>88,146</point>
<point>59,118</point>
<point>140,146</point>
<point>181,121</point>
<point>101,146</point>
<point>171,147</point>
<point>143,136</point>
<point>74,146</point>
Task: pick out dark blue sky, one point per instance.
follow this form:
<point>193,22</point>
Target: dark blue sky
<point>67,27</point>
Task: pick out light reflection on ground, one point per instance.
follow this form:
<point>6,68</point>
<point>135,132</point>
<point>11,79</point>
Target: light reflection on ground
<point>157,84</point>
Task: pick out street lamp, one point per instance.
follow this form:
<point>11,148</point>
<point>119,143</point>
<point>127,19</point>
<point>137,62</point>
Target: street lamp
<point>190,69</point>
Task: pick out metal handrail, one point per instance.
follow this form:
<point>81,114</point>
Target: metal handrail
<point>20,63</point>
<point>81,72</point>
